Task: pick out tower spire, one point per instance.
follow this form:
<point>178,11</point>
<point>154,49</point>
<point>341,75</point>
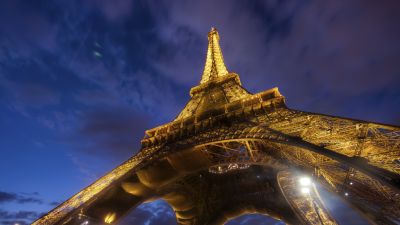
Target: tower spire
<point>215,66</point>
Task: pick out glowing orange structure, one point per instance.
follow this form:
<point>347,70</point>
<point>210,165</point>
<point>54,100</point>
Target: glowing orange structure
<point>230,152</point>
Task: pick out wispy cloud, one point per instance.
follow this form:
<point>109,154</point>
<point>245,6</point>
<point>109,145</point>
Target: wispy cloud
<point>19,198</point>
<point>19,217</point>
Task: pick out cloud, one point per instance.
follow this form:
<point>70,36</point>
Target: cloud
<point>13,222</point>
<point>26,96</point>
<point>183,27</point>
<point>339,47</point>
<point>113,131</point>
<point>306,41</point>
<point>30,28</point>
<point>115,10</point>
<point>19,198</point>
<point>19,217</point>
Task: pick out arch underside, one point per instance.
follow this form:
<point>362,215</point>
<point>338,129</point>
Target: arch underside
<point>199,194</point>
<point>212,176</point>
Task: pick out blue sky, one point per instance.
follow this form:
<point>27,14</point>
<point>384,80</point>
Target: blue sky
<point>80,81</point>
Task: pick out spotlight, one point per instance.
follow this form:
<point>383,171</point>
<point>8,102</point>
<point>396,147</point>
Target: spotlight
<point>346,194</point>
<point>305,181</point>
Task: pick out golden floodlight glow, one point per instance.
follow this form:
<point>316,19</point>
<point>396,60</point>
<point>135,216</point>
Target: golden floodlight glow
<point>110,217</point>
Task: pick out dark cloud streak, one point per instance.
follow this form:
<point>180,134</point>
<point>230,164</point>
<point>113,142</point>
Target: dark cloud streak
<point>117,131</point>
<point>19,217</point>
<point>19,198</point>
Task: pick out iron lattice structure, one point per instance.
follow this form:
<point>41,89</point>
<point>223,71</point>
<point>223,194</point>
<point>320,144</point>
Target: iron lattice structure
<point>230,152</point>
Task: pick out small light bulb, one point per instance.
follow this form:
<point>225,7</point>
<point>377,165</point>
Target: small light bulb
<point>110,217</point>
<point>351,183</point>
<point>346,194</point>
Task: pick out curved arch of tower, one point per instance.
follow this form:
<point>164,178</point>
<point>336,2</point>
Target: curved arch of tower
<point>230,152</point>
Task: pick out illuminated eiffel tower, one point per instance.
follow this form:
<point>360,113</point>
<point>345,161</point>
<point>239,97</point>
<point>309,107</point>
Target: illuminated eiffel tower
<point>230,152</point>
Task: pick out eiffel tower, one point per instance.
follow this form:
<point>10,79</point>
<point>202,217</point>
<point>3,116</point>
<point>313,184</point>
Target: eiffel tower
<point>230,152</point>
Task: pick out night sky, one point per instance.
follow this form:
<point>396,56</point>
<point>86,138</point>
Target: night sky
<point>80,81</point>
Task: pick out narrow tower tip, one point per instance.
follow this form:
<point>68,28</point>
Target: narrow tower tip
<point>215,66</point>
<point>213,32</point>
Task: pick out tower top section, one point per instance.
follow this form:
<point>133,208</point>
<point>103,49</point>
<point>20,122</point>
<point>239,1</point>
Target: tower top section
<point>219,91</point>
<point>219,96</point>
<point>215,66</point>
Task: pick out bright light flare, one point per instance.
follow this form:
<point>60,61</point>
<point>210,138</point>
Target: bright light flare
<point>305,181</point>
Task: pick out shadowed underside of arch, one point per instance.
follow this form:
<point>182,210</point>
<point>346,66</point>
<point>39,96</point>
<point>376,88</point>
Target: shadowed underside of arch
<point>231,152</point>
<point>253,218</point>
